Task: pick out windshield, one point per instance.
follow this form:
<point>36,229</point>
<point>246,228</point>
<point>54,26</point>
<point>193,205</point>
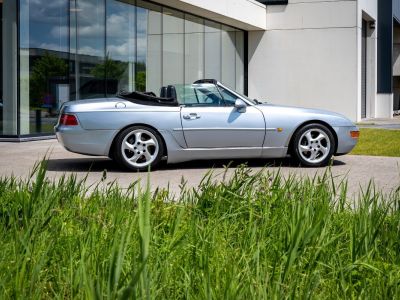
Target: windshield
<point>227,89</point>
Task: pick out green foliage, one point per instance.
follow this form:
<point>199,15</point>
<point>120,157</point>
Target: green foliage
<point>378,142</point>
<point>43,69</point>
<point>110,69</point>
<point>141,76</point>
<point>141,81</point>
<point>254,236</point>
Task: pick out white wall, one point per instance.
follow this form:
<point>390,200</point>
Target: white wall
<point>243,14</point>
<point>310,56</point>
<point>307,57</point>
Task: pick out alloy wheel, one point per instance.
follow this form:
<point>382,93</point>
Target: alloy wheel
<point>314,146</point>
<point>140,148</point>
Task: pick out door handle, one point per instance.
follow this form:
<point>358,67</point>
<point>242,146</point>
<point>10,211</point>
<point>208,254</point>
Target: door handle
<point>191,116</point>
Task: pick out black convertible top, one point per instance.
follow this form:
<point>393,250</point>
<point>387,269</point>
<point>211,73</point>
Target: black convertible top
<point>148,98</point>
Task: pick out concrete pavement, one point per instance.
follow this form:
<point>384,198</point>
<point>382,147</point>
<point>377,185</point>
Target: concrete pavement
<point>18,159</point>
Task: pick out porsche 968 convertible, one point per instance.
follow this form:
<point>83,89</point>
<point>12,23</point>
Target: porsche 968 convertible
<point>202,121</point>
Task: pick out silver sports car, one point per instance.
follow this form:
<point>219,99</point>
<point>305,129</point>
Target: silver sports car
<point>205,120</point>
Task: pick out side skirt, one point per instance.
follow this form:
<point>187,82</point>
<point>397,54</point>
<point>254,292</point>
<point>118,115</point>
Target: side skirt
<point>182,155</point>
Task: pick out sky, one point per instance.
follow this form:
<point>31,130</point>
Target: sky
<point>48,27</point>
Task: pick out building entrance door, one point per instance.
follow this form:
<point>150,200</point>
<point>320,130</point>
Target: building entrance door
<point>364,70</point>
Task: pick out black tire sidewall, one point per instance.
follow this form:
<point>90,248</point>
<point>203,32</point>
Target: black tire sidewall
<point>297,137</point>
<point>118,150</point>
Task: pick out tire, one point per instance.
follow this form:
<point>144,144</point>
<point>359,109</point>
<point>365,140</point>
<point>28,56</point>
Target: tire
<point>314,145</point>
<point>138,147</point>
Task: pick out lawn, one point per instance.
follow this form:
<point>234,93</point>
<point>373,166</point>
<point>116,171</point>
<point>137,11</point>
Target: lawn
<point>253,236</point>
<point>378,142</point>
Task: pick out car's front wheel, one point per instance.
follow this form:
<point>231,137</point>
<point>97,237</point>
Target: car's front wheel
<point>314,145</point>
<point>138,148</point>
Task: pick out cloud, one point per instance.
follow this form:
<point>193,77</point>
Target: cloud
<point>55,47</point>
<point>87,50</point>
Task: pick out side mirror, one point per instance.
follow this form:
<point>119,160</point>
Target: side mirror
<point>240,105</point>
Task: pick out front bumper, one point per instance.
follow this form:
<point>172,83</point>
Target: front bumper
<point>345,142</point>
<point>89,142</point>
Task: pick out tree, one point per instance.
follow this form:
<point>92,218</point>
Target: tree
<point>47,67</point>
<point>110,69</point>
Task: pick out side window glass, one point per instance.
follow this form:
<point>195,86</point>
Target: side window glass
<point>229,98</point>
<point>204,95</point>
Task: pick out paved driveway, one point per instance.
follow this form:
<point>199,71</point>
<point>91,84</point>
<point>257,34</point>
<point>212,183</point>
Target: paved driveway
<point>19,158</point>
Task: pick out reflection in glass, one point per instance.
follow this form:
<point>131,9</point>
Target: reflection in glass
<point>149,47</point>
<point>120,58</point>
<point>1,69</point>
<point>43,63</point>
<point>9,57</point>
<point>90,49</point>
<point>83,49</point>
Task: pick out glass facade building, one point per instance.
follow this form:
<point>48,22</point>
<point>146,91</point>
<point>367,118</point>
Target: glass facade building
<point>65,50</point>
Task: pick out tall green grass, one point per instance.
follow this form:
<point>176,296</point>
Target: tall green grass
<point>254,236</point>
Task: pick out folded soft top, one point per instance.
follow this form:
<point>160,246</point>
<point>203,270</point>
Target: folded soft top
<point>148,98</point>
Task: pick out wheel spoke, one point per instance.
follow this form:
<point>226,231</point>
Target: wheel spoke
<point>149,142</point>
<point>138,137</point>
<point>148,156</point>
<point>320,137</point>
<point>135,158</point>
<point>304,148</point>
<point>313,155</point>
<point>309,137</point>
<point>128,146</point>
<point>323,150</point>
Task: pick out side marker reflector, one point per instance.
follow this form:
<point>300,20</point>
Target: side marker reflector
<point>355,134</point>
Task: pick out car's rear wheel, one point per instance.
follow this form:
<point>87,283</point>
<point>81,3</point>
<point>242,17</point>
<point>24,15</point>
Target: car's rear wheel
<point>314,145</point>
<point>138,148</point>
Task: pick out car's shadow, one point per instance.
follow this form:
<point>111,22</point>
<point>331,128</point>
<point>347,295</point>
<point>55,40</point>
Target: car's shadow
<point>97,164</point>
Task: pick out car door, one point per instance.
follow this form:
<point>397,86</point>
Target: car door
<point>211,121</point>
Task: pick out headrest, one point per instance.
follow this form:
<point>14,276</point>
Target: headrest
<point>163,92</point>
<point>171,92</point>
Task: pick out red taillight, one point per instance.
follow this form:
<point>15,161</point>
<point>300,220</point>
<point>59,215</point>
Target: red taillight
<point>68,120</point>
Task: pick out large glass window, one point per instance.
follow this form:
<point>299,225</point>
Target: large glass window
<point>44,46</point>
<point>194,48</point>
<point>213,53</point>
<point>149,45</point>
<point>8,99</point>
<point>84,49</point>
<point>173,47</point>
<point>1,68</point>
<point>120,61</point>
<point>91,59</point>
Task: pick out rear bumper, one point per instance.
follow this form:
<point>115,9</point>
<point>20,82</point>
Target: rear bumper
<point>89,142</point>
<point>345,142</point>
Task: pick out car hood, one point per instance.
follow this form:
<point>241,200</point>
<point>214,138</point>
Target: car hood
<point>333,118</point>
